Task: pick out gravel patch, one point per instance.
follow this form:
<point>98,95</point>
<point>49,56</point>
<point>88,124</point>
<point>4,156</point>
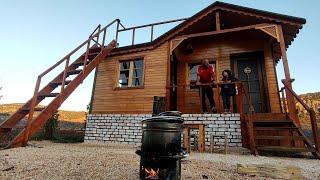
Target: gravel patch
<point>47,160</point>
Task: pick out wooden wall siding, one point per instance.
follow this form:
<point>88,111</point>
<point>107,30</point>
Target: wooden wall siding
<point>131,101</point>
<point>219,49</point>
<point>274,98</point>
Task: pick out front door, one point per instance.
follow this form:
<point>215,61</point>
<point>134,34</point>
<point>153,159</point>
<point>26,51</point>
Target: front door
<point>248,68</point>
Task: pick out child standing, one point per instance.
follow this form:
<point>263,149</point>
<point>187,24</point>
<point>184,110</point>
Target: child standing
<point>227,90</point>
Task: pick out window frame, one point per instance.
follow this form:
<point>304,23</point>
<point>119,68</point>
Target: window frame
<point>131,71</point>
<point>211,61</point>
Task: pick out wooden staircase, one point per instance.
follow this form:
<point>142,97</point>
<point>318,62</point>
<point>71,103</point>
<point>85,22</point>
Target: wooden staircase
<point>76,72</point>
<point>277,132</point>
<point>281,131</point>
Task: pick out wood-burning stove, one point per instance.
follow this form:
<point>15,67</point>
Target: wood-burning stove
<point>161,150</point>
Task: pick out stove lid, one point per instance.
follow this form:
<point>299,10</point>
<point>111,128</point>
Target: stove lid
<point>168,119</point>
<point>171,113</point>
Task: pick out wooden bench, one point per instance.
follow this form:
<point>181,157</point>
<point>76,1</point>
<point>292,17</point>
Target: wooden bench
<point>186,138</point>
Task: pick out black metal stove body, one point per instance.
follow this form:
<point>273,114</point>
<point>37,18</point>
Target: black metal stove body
<point>161,150</point>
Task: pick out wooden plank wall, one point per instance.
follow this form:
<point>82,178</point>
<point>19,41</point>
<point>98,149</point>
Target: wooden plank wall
<point>219,49</point>
<point>108,100</point>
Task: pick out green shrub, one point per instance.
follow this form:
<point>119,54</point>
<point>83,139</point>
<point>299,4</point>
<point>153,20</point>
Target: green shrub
<point>50,127</point>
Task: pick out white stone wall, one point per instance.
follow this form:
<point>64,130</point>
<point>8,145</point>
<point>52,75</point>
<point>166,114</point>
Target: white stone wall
<point>126,128</point>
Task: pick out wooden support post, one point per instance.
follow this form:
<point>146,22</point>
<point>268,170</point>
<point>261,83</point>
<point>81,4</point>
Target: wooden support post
<point>284,53</point>
<point>186,139</point>
<point>217,21</point>
<point>195,142</point>
<point>225,144</point>
<point>290,99</point>
<point>201,143</point>
<point>211,143</point>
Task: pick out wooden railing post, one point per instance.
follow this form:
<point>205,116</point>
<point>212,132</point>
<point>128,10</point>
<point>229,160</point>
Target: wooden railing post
<point>152,32</point>
<point>31,111</point>
<point>86,58</point>
<point>98,35</point>
<point>64,76</point>
<point>284,101</point>
<point>103,39</point>
<point>117,33</point>
<point>251,135</point>
<point>184,98</point>
<point>290,102</point>
<point>133,34</point>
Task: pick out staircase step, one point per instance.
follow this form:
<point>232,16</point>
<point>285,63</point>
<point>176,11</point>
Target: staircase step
<point>80,63</point>
<point>280,137</point>
<point>12,127</point>
<point>91,55</point>
<point>275,128</point>
<point>48,95</point>
<point>74,72</point>
<point>95,49</point>
<point>35,109</point>
<point>284,148</point>
<point>58,83</point>
<point>270,116</point>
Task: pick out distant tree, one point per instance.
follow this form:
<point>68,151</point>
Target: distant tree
<point>50,127</point>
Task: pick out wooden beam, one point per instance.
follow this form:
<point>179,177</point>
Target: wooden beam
<point>217,21</point>
<point>153,24</point>
<point>270,170</point>
<point>272,30</point>
<point>299,24</point>
<point>224,31</point>
<point>175,43</point>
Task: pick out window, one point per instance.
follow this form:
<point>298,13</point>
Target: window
<point>130,73</point>
<point>193,69</point>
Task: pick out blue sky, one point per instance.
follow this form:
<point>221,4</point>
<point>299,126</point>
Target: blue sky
<point>35,34</point>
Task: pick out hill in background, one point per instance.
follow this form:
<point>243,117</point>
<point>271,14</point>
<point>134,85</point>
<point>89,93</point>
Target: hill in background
<point>70,116</point>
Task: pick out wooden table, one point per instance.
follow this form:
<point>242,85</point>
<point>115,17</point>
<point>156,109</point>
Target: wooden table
<point>186,139</point>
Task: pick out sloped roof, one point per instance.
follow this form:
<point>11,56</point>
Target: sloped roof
<point>291,24</point>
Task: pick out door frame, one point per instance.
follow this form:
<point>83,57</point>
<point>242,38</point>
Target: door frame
<point>259,57</point>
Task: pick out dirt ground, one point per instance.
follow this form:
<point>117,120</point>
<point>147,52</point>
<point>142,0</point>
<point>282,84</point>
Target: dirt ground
<point>47,160</point>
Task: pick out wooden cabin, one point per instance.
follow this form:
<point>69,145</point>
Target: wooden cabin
<point>230,36</point>
<point>248,41</point>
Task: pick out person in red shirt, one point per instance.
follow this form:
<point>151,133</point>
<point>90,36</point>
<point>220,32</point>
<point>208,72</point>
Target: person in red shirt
<point>206,75</point>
